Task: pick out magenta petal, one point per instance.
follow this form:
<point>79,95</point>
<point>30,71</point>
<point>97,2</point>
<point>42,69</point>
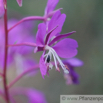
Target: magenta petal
<point>46,40</point>
<point>19,2</point>
<point>75,62</point>
<point>51,4</point>
<point>41,34</point>
<point>35,96</point>
<point>60,37</point>
<point>66,48</point>
<point>43,67</point>
<point>1,8</point>
<point>57,20</point>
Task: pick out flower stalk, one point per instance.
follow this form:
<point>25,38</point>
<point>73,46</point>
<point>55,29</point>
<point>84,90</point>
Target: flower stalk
<point>5,54</point>
<point>27,19</point>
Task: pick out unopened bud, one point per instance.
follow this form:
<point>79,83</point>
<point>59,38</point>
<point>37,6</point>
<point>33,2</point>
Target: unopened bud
<point>1,8</point>
<point>19,2</point>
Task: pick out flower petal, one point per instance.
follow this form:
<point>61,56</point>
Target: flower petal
<point>74,76</point>
<point>46,39</point>
<point>43,67</point>
<point>57,20</point>
<point>19,2</point>
<point>41,34</point>
<point>66,48</point>
<point>35,96</point>
<point>1,8</point>
<point>51,4</point>
<point>60,37</point>
<point>75,62</point>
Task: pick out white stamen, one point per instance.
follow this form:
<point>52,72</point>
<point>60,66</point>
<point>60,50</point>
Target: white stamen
<point>55,61</point>
<point>62,65</point>
<point>56,57</point>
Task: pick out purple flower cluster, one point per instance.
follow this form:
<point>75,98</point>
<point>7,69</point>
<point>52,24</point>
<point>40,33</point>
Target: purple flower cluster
<point>20,56</point>
<point>49,40</point>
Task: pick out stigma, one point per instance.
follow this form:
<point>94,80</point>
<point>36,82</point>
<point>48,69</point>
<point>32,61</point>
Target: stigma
<point>52,53</point>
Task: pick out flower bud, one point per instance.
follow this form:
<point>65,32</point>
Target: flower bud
<point>1,8</point>
<point>19,2</point>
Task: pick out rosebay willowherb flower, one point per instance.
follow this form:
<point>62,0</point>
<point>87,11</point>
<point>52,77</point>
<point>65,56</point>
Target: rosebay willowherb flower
<point>46,40</point>
<point>47,36</point>
<point>72,77</point>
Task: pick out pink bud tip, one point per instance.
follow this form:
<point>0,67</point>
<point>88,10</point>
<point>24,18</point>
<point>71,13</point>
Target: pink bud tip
<point>19,2</point>
<point>1,8</point>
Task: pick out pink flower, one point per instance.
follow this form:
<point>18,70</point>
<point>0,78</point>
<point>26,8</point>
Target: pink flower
<point>47,40</point>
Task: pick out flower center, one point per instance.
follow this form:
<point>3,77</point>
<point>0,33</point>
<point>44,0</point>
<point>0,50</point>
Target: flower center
<point>56,58</point>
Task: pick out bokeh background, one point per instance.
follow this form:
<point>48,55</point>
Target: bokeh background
<point>83,16</point>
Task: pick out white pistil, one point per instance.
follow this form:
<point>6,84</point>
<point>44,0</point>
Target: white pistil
<point>56,58</point>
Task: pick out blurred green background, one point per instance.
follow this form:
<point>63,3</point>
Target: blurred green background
<point>85,17</point>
